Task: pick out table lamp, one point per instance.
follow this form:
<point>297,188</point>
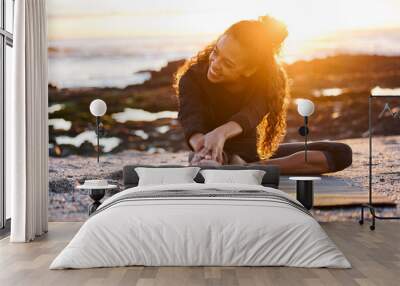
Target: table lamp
<point>98,108</point>
<point>305,108</point>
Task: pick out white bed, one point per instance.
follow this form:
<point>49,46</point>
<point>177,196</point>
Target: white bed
<point>183,230</point>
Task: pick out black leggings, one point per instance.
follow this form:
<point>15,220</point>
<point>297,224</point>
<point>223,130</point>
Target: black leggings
<point>339,155</point>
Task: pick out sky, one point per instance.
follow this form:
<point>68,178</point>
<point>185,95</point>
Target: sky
<point>88,19</point>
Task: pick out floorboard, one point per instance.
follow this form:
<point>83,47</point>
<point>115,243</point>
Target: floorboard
<point>374,255</point>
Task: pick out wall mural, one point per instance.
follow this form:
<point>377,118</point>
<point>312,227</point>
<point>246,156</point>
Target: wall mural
<point>126,54</point>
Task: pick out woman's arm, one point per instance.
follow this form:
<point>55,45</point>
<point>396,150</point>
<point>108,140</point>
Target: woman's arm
<point>252,113</point>
<point>230,129</point>
<point>192,111</point>
<point>244,121</point>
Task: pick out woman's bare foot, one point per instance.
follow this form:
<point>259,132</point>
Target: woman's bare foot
<point>198,159</point>
<point>229,160</point>
<point>195,158</point>
<point>206,162</point>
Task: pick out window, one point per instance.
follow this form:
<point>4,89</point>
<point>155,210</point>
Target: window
<point>6,43</point>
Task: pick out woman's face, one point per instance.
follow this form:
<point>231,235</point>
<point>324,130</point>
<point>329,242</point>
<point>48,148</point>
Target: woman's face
<point>228,62</point>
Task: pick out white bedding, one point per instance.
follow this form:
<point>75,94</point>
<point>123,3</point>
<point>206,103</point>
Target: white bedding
<point>185,231</point>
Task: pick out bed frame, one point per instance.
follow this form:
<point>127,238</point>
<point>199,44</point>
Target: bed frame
<point>270,179</point>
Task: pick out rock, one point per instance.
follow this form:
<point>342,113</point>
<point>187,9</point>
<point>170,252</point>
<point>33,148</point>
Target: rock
<point>354,74</point>
<point>61,185</point>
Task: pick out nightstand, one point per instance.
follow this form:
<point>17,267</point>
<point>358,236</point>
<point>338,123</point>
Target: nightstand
<point>304,190</point>
<point>96,194</point>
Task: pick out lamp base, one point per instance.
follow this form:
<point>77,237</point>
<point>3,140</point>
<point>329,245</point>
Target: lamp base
<point>303,131</point>
<point>96,195</point>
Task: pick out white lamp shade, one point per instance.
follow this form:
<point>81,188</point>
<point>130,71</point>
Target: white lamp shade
<point>98,107</point>
<point>305,107</point>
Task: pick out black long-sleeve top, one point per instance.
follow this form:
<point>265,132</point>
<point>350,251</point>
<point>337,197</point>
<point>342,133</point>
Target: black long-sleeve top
<point>205,106</point>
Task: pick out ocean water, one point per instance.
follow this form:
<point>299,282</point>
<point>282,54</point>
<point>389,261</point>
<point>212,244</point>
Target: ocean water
<point>121,62</point>
<point>114,62</point>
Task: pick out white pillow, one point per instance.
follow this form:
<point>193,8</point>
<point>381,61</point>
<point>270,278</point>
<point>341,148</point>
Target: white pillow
<point>248,177</point>
<point>162,176</point>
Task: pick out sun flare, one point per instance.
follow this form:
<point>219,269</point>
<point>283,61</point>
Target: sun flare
<point>305,19</point>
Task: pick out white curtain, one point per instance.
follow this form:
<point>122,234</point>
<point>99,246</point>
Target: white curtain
<point>27,123</point>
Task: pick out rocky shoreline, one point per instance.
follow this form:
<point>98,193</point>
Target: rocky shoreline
<point>338,85</point>
<point>141,127</point>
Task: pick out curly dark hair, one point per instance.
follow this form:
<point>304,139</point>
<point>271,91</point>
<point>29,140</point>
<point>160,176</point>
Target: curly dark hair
<point>262,40</point>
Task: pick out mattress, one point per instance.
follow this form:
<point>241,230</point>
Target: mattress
<point>201,225</point>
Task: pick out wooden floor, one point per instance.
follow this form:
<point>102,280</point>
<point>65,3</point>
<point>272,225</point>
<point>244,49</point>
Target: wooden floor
<point>375,257</point>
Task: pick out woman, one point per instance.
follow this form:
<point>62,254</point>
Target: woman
<point>233,98</point>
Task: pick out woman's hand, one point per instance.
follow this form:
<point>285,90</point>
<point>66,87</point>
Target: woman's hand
<point>211,145</point>
<point>214,142</point>
<point>197,142</point>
